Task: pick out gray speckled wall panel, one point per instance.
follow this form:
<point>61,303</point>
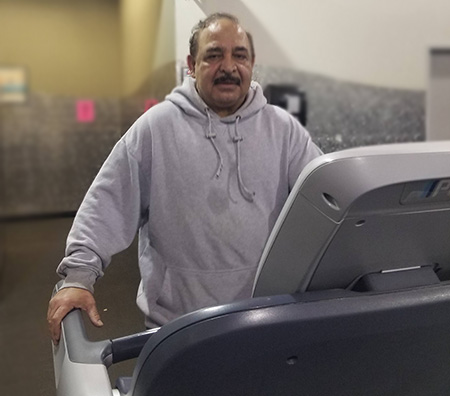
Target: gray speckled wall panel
<point>131,109</point>
<point>49,159</point>
<point>343,115</point>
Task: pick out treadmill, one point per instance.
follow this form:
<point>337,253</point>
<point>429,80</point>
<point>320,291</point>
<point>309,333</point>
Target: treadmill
<point>351,297</point>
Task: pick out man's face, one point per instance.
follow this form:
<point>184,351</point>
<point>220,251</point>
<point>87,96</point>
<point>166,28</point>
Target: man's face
<point>223,66</point>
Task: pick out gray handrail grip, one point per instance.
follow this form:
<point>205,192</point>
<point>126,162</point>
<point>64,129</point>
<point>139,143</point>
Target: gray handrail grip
<point>79,348</point>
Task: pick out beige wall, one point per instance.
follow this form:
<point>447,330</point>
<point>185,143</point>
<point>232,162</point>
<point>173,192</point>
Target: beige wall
<point>139,25</point>
<point>92,48</point>
<point>148,47</point>
<point>69,47</point>
<point>371,42</point>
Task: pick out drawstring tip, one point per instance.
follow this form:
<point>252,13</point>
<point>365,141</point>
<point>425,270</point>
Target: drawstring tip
<point>219,170</point>
<point>248,195</point>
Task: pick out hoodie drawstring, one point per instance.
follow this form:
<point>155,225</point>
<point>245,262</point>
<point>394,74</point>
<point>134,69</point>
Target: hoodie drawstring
<point>211,136</point>
<point>237,139</point>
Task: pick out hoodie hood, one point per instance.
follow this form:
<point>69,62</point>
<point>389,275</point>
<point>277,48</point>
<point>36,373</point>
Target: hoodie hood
<point>187,98</point>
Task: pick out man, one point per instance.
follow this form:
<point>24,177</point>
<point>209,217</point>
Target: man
<point>202,176</point>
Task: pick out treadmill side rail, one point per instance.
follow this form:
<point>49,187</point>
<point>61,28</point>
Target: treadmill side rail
<point>78,379</point>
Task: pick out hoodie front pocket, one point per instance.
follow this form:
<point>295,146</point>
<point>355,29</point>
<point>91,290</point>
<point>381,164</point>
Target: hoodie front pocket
<point>185,291</point>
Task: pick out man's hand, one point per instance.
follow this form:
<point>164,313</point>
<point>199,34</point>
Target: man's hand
<point>63,302</point>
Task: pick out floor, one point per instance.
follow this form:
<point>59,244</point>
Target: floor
<point>29,253</point>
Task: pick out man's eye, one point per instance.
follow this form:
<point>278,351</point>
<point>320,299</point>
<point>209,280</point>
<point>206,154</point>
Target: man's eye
<point>241,56</point>
<point>212,57</point>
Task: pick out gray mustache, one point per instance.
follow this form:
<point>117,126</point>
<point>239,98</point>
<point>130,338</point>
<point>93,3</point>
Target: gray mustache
<point>227,79</point>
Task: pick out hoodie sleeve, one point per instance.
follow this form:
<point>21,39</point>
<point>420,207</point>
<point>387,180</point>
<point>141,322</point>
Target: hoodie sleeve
<point>107,220</point>
<point>302,151</point>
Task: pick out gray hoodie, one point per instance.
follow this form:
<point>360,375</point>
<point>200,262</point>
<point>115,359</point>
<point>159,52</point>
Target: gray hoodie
<point>203,192</point>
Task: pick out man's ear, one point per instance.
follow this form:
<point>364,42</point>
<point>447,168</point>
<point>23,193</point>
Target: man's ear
<point>191,65</point>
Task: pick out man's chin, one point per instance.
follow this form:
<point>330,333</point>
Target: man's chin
<point>231,103</point>
<point>226,86</point>
<point>226,99</point>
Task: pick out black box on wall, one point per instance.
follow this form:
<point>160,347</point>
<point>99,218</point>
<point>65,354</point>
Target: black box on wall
<point>290,98</point>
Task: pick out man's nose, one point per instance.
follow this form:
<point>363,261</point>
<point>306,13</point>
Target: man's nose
<point>228,64</point>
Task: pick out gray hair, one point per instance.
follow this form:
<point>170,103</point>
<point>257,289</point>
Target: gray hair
<point>204,23</point>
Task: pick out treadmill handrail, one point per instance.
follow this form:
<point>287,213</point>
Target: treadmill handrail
<point>107,352</point>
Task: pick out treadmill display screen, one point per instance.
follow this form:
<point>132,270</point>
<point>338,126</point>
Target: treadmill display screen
<point>437,190</point>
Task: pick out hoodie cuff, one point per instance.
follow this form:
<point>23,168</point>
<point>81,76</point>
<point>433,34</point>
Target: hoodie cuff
<point>80,279</point>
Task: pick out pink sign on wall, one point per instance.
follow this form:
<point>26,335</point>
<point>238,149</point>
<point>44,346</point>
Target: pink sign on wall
<point>150,103</point>
<point>85,110</point>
